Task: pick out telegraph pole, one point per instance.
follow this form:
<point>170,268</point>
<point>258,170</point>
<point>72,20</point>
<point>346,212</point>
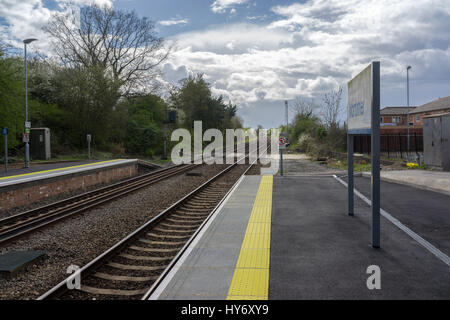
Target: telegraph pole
<point>287,116</point>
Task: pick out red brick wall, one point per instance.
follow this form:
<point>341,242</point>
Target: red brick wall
<point>388,119</point>
<point>26,195</point>
<point>413,117</point>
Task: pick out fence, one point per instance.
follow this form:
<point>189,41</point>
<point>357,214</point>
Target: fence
<point>391,145</point>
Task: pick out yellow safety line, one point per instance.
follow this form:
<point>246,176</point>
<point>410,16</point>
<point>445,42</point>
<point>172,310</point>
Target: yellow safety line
<point>58,169</point>
<point>251,275</point>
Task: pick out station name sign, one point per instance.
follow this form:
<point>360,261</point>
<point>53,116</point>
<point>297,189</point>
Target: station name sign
<point>363,117</point>
<point>360,100</point>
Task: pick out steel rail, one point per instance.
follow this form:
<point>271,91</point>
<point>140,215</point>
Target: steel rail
<point>48,214</point>
<point>97,262</point>
<point>43,216</point>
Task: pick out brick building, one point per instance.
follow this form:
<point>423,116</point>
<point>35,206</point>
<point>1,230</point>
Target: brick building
<point>394,116</point>
<point>394,128</point>
<point>439,106</point>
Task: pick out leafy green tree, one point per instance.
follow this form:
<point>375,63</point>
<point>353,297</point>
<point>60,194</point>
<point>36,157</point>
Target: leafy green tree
<point>12,96</point>
<point>88,97</point>
<point>236,122</point>
<point>196,103</point>
<point>144,133</point>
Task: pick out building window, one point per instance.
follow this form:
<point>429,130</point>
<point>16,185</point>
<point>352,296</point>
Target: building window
<point>418,118</point>
<point>396,120</point>
<point>381,119</point>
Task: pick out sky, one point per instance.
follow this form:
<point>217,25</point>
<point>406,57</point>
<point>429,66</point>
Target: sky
<point>258,53</point>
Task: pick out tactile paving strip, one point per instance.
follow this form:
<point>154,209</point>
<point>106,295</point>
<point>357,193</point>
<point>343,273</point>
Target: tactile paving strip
<point>251,276</point>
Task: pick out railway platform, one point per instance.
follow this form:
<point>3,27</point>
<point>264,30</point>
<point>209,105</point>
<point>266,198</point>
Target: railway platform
<point>23,186</point>
<point>291,238</point>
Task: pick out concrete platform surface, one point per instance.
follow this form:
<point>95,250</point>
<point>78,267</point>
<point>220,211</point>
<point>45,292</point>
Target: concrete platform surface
<point>319,252</point>
<point>18,176</point>
<point>42,167</point>
<point>426,212</point>
<point>313,249</point>
<point>425,179</point>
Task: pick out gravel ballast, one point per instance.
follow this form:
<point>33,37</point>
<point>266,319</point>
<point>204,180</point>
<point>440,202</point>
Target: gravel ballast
<point>79,239</point>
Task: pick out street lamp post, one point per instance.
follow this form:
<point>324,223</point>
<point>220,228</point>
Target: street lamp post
<point>27,146</point>
<point>407,100</point>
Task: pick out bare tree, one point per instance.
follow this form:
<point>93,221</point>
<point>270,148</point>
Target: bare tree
<point>303,107</point>
<point>119,41</point>
<point>331,107</point>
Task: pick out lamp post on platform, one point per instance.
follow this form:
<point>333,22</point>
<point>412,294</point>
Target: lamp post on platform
<point>407,100</point>
<point>27,125</point>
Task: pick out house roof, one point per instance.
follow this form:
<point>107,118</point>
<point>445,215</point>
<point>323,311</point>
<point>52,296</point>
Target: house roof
<point>393,111</point>
<point>439,104</point>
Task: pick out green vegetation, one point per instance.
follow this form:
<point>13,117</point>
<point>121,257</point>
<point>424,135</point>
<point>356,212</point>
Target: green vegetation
<point>102,81</point>
<point>195,102</point>
<point>12,113</point>
<point>315,136</point>
<point>342,165</point>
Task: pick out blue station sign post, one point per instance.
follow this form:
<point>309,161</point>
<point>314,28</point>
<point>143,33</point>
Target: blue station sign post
<point>363,117</point>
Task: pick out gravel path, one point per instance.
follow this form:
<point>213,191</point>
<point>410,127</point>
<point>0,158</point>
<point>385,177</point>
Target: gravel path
<point>299,164</point>
<point>79,239</point>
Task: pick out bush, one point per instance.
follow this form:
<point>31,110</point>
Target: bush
<point>337,138</point>
<point>305,143</point>
<point>115,149</point>
<point>322,142</point>
<point>320,150</point>
<point>321,133</point>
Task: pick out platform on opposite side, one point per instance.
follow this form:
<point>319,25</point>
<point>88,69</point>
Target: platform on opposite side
<point>56,170</point>
<point>23,189</point>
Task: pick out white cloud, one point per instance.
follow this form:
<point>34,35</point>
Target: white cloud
<point>244,36</point>
<point>108,3</point>
<point>316,46</point>
<point>308,49</point>
<point>25,18</point>
<point>230,45</point>
<point>220,6</point>
<point>172,22</point>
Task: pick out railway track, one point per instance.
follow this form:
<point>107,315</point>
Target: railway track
<point>133,267</point>
<point>15,226</point>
